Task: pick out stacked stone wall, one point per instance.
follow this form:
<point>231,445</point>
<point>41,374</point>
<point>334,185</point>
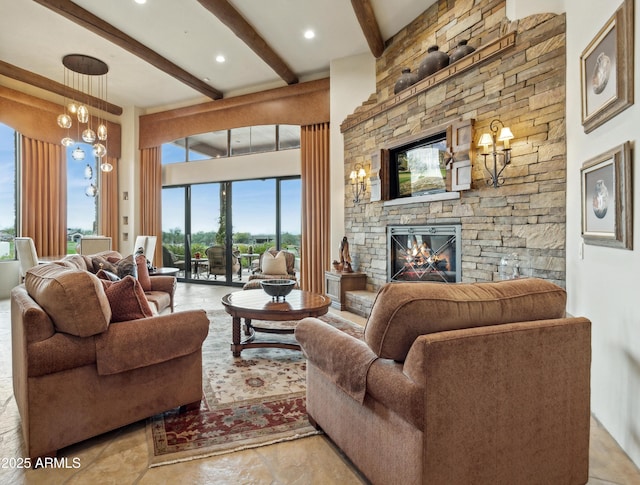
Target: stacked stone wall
<point>524,87</point>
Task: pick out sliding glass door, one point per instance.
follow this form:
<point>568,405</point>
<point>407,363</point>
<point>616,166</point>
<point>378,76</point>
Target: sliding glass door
<point>215,232</point>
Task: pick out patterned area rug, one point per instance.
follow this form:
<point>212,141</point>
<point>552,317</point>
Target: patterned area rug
<point>249,401</point>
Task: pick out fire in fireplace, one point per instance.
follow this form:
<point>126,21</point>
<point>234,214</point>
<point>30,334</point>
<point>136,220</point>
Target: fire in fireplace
<point>424,253</point>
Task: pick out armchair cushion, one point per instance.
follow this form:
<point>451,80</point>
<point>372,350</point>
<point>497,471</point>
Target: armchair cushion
<point>127,299</point>
<point>131,345</point>
<point>404,311</point>
<point>74,299</point>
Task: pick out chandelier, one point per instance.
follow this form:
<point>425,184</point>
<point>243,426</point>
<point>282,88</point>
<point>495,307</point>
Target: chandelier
<point>85,75</point>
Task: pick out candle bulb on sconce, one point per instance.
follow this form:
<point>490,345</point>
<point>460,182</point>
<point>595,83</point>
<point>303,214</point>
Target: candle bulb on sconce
<point>358,182</point>
<point>491,139</point>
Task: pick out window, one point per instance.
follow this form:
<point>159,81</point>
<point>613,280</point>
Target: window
<point>288,137</point>
<point>82,195</point>
<point>234,142</point>
<point>8,184</point>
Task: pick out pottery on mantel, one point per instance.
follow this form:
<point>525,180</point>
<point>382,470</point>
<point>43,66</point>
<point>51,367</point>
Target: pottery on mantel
<point>463,49</point>
<point>406,79</point>
<point>433,62</point>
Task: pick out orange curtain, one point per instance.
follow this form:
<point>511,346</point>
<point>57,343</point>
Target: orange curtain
<point>151,197</point>
<point>44,196</point>
<point>314,147</point>
<point>108,193</point>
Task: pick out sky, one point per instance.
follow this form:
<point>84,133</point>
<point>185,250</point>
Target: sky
<point>7,177</point>
<point>81,210</point>
<point>253,207</point>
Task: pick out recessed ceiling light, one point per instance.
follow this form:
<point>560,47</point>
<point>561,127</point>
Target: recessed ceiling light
<point>141,2</point>
<point>220,58</point>
<point>309,34</point>
<point>206,79</point>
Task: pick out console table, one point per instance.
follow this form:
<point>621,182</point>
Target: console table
<point>337,284</point>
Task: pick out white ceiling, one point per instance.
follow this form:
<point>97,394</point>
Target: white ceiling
<point>34,38</point>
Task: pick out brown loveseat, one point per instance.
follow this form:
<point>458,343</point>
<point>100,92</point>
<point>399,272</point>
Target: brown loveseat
<point>161,288</point>
<point>484,383</point>
<point>76,374</point>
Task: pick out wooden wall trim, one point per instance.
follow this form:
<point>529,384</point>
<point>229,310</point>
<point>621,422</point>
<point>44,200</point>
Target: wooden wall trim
<point>36,118</point>
<point>300,104</point>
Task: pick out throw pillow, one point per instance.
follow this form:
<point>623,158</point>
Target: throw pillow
<point>98,263</point>
<point>127,299</point>
<point>125,266</point>
<point>103,274</point>
<point>143,272</point>
<point>276,265</point>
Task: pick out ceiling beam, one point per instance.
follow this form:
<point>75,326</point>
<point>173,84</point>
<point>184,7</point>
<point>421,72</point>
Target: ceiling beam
<point>47,84</point>
<point>228,15</point>
<point>86,19</point>
<point>369,25</point>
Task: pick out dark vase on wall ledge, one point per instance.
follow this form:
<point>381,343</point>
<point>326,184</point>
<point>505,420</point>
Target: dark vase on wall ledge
<point>433,62</point>
<point>406,79</point>
<point>460,51</point>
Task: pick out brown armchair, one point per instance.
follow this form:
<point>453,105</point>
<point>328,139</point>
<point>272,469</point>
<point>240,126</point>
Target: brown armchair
<point>468,383</point>
<point>265,270</point>
<point>170,260</point>
<point>77,375</point>
<point>217,256</point>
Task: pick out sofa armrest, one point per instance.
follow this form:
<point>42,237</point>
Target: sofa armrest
<point>343,358</point>
<point>148,341</point>
<point>164,283</point>
<point>167,284</point>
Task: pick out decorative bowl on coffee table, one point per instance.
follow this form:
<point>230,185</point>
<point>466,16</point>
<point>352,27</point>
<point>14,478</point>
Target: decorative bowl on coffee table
<point>277,288</point>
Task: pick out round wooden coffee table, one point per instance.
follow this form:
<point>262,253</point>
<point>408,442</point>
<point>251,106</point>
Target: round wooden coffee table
<point>256,304</point>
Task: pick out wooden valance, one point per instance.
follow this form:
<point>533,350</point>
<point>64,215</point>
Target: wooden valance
<point>299,104</point>
<point>37,118</point>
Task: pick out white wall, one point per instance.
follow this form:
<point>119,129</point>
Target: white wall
<point>518,9</point>
<point>9,277</point>
<point>353,80</point>
<point>258,165</point>
<point>128,177</point>
<point>603,284</point>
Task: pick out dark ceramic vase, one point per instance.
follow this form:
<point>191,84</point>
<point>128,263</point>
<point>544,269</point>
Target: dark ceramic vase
<point>406,79</point>
<point>433,62</point>
<point>460,51</point>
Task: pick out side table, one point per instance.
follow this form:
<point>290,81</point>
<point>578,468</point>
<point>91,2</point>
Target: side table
<point>165,271</point>
<point>337,284</point>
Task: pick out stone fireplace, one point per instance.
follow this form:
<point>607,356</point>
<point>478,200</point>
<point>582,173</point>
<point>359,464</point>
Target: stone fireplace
<point>424,253</point>
<point>521,83</point>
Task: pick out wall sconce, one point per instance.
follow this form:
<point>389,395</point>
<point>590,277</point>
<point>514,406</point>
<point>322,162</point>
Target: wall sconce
<point>358,184</point>
<point>491,139</point>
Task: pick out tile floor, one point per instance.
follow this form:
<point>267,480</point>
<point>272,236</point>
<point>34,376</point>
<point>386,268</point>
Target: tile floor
<point>120,457</point>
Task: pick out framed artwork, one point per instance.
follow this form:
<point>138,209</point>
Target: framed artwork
<point>607,199</point>
<point>606,70</point>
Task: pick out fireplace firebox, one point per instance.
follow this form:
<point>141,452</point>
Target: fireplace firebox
<point>424,253</point>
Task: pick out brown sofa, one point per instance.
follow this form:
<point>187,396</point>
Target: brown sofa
<point>163,287</point>
<point>484,383</point>
<point>76,374</point>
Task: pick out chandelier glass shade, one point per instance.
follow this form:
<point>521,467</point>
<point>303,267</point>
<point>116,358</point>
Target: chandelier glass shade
<point>85,77</point>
